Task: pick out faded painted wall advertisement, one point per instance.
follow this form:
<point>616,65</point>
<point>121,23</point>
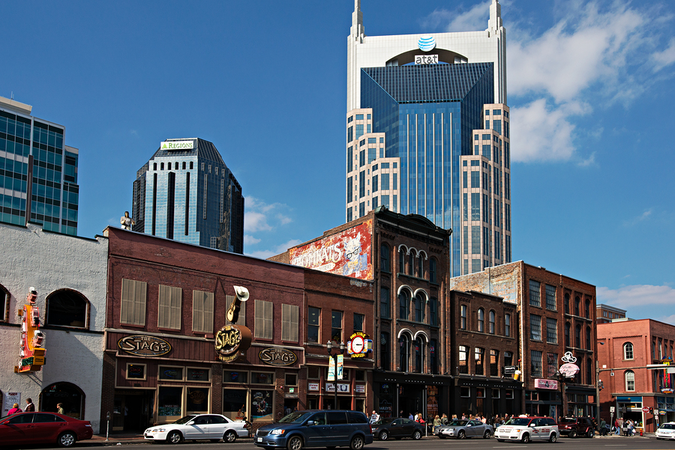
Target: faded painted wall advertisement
<point>347,253</point>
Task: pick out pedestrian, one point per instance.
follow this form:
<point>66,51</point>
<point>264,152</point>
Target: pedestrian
<point>30,407</point>
<point>616,426</point>
<point>437,423</point>
<point>59,408</point>
<point>15,409</point>
<point>374,417</point>
<point>411,417</point>
<point>444,419</point>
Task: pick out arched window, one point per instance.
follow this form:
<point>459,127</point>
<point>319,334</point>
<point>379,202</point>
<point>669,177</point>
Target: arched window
<point>385,350</point>
<point>420,266</point>
<point>385,255</point>
<point>628,350</point>
<point>567,334</point>
<point>419,308</point>
<point>462,317</point>
<point>577,302</point>
<point>567,303</point>
<point>577,336</point>
<point>404,352</point>
<point>630,380</point>
<point>491,322</point>
<point>401,260</point>
<point>589,371</point>
<point>411,264</point>
<point>479,361</point>
<point>507,325</point>
<point>433,312</point>
<point>404,304</point>
<point>69,394</point>
<point>67,307</point>
<point>587,309</point>
<point>419,354</point>
<point>433,275</point>
<point>588,338</point>
<point>481,320</point>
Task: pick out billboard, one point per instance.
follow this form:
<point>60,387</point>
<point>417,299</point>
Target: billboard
<point>346,253</point>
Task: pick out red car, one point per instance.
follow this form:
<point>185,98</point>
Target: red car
<point>43,428</point>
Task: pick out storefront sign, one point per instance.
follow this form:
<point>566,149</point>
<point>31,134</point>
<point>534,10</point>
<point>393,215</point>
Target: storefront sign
<point>177,145</point>
<point>360,388</point>
<point>31,344</point>
<point>569,369</point>
<point>231,340</point>
<point>342,388</point>
<point>347,253</point>
<point>359,345</point>
<point>313,387</point>
<point>142,345</point>
<point>540,383</point>
<point>510,370</point>
<point>277,356</point>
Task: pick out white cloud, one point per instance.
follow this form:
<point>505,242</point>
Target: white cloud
<point>250,240</point>
<point>636,297</point>
<point>664,58</point>
<point>471,20</point>
<point>641,218</point>
<point>264,254</point>
<point>261,216</point>
<point>667,319</point>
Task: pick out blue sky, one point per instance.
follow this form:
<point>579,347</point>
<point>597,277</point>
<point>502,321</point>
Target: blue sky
<point>590,87</point>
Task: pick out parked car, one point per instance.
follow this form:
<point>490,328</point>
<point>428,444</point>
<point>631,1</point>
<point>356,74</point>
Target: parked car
<point>576,427</point>
<point>526,429</point>
<point>666,431</point>
<point>397,428</point>
<point>461,428</point>
<point>200,426</point>
<point>316,428</point>
<point>43,428</point>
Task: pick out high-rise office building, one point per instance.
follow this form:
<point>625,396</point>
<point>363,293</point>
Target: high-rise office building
<point>416,104</point>
<point>38,172</point>
<point>187,193</point>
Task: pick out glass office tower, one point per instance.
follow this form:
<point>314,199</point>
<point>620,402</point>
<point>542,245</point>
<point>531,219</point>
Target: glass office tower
<point>36,169</point>
<point>187,193</point>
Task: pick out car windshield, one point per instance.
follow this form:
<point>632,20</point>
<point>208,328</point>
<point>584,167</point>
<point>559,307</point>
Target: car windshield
<point>385,421</point>
<point>295,417</point>
<point>668,426</point>
<point>568,420</point>
<point>458,423</point>
<point>185,419</point>
<point>519,421</point>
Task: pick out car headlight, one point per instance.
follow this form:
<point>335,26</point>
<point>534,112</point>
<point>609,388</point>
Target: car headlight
<point>160,430</point>
<point>277,431</point>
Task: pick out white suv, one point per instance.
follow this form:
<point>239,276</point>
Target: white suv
<point>526,429</point>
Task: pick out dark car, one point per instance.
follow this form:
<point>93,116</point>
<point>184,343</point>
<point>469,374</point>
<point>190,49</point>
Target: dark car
<point>576,427</point>
<point>43,428</point>
<point>316,428</point>
<point>397,428</point>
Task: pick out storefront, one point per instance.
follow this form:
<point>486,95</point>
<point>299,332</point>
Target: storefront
<point>665,409</point>
<point>545,399</point>
<point>402,394</point>
<point>630,408</point>
<point>580,401</point>
<point>486,397</point>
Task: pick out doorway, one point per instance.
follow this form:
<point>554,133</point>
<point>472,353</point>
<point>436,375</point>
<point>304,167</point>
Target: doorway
<point>133,410</point>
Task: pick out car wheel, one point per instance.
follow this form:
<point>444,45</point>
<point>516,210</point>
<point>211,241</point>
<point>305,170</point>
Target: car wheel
<point>590,433</point>
<point>417,435</point>
<point>526,438</point>
<point>553,437</point>
<point>384,436</point>
<point>461,434</point>
<point>572,434</point>
<point>357,443</point>
<point>486,435</point>
<point>174,437</point>
<point>294,443</point>
<point>230,436</point>
<point>66,439</point>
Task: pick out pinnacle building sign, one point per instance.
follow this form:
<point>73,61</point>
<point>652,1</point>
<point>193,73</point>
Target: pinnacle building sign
<point>177,145</point>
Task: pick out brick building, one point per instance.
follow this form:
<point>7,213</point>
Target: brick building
<point>607,313</point>
<point>166,304</point>
<point>625,350</point>
<point>556,316</point>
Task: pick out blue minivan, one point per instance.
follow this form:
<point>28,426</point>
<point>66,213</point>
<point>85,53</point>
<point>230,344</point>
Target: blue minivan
<point>316,428</point>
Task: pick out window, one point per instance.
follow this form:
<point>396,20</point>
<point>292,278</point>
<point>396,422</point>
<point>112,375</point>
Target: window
<point>433,275</point>
<point>170,300</point>
<point>262,377</point>
<point>235,377</point>
<point>411,264</point>
<point>65,307</point>
<point>264,316</point>
<point>550,298</point>
<point>507,325</point>
<point>508,358</point>
<point>401,260</point>
<point>419,308</point>
<point>404,352</point>
<point>463,359</point>
<point>567,303</point>
<point>479,361</point>
<point>462,317</point>
<point>194,374</point>
<point>481,320</point>
<point>587,309</point>
<point>577,302</point>
<point>491,322</point>
<point>385,261</point>
<point>359,320</point>
<point>494,364</point>
<point>630,380</point>
<point>419,355</point>
<point>628,350</point>
<point>170,373</point>
<point>552,360</point>
<point>567,334</point>
<point>535,364</point>
<point>290,320</point>
<point>403,304</point>
<point>535,327</point>
<point>588,338</point>
<point>577,336</point>
<point>385,351</point>
<point>202,312</point>
<point>535,297</point>
<point>314,316</point>
<point>385,302</point>
<point>336,327</point>
<point>551,331</point>
<point>4,304</point>
<point>433,359</point>
<point>134,294</point>
<point>136,371</point>
<point>433,312</point>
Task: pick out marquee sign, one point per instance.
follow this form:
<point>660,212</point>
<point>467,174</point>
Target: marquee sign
<point>569,369</point>
<point>177,145</point>
<point>231,340</point>
<point>142,345</point>
<point>540,383</point>
<point>359,345</point>
<point>277,356</point>
<point>31,343</point>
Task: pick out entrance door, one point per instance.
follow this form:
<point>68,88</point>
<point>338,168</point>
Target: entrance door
<point>133,410</point>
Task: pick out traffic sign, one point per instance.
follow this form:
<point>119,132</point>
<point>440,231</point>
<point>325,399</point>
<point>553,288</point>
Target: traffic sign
<point>645,409</point>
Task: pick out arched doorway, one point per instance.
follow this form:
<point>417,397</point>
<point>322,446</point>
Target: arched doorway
<point>69,394</point>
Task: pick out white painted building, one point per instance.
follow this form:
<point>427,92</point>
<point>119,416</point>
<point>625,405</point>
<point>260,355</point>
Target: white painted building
<point>69,275</point>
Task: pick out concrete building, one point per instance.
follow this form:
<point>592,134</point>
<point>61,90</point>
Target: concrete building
<point>38,171</point>
<point>415,105</point>
<point>69,274</point>
<point>631,389</point>
<point>557,325</point>
<point>187,193</point>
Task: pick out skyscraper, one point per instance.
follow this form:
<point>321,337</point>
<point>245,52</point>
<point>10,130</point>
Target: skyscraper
<point>187,193</point>
<point>418,106</point>
<point>36,169</point>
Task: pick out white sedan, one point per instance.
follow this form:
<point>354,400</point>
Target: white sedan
<point>666,431</point>
<point>213,427</point>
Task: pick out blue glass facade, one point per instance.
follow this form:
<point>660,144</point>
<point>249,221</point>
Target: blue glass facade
<point>190,196</point>
<point>37,169</point>
<point>427,113</point>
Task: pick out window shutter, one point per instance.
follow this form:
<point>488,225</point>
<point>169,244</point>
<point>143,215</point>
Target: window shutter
<point>202,311</point>
<point>169,315</point>
<point>133,306</point>
<point>289,322</point>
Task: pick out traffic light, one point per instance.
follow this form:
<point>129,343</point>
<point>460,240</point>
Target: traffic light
<point>651,410</point>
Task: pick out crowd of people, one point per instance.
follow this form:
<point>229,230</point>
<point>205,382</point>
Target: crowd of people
<point>30,407</point>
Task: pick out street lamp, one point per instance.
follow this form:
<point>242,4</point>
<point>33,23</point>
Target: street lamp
<point>339,351</point>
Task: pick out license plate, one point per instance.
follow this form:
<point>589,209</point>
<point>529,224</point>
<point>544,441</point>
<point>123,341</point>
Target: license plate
<point>259,439</point>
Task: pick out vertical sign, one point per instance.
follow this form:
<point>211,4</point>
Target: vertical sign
<point>331,369</point>
<point>340,364</point>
